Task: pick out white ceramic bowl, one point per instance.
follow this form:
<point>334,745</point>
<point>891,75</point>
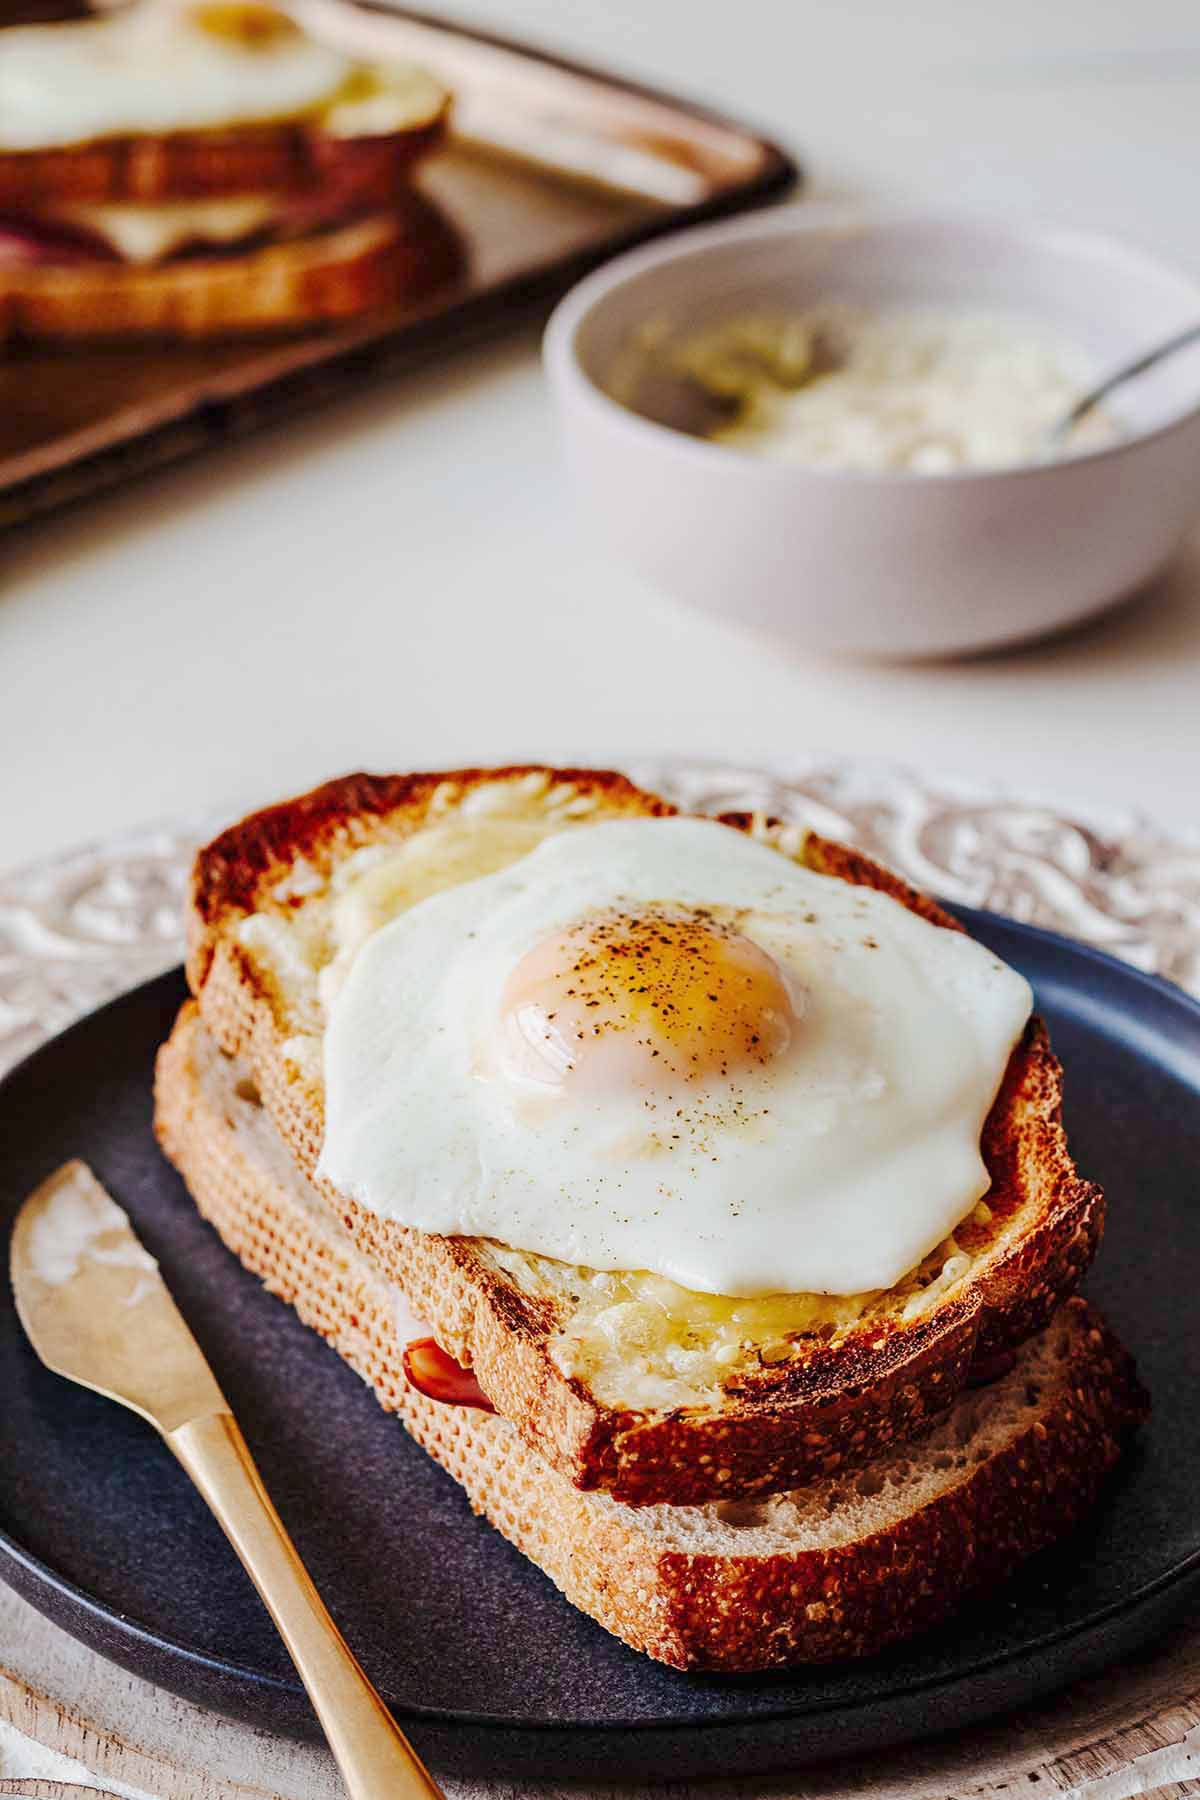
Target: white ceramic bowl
<point>894,564</point>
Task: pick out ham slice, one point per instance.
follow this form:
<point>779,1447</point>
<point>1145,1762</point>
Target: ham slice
<point>30,243</point>
<point>439,1377</point>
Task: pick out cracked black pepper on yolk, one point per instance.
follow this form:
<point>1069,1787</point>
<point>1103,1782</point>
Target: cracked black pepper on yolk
<point>668,994</point>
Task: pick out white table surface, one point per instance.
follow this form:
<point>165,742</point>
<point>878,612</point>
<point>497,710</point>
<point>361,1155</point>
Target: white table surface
<point>402,580</point>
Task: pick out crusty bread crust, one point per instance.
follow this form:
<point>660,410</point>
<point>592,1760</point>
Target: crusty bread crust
<point>316,279</point>
<point>833,1407</point>
<point>236,873</point>
<point>275,158</point>
<point>718,1607</point>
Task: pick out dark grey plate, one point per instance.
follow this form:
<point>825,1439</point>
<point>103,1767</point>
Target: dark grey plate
<point>474,1648</point>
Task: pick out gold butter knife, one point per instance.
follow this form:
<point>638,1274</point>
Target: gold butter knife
<point>96,1310</point>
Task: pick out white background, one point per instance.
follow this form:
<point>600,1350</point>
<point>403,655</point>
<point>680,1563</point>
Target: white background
<point>402,581</point>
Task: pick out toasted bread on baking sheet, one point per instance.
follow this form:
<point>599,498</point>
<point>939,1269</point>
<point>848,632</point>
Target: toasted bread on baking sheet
<point>249,159</point>
<point>846,1567</point>
<point>801,1404</point>
<point>235,209</point>
<point>295,284</point>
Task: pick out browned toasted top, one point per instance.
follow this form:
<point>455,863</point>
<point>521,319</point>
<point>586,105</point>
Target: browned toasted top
<point>189,165</point>
<point>234,872</point>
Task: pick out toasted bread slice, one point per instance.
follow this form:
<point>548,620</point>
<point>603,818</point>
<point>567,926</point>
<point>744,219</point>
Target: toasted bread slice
<point>296,284</point>
<point>280,158</point>
<point>844,1568</point>
<point>829,1385</point>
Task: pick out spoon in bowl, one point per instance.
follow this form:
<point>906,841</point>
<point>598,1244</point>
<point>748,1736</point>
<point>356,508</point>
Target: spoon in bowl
<point>1149,359</point>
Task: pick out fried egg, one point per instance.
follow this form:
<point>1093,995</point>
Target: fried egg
<point>156,69</point>
<point>656,1044</point>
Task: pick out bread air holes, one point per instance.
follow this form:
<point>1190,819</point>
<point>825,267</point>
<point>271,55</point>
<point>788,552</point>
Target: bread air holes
<point>742,1514</point>
<point>966,1424</point>
<point>247,1090</point>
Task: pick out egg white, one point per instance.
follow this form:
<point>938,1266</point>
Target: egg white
<point>834,1169</point>
<point>151,69</point>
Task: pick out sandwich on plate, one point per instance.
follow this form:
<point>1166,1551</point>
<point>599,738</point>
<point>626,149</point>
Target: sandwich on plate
<point>694,1190</point>
<point>187,170</point>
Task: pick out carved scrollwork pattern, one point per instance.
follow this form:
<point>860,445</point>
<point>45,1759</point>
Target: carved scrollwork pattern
<point>82,927</point>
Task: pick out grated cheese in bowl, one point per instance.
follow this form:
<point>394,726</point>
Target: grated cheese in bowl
<point>922,389</point>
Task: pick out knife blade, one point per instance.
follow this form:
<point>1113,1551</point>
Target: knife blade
<point>96,1309</point>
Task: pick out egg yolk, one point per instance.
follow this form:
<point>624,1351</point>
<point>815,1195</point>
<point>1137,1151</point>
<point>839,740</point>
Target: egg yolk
<point>644,1000</point>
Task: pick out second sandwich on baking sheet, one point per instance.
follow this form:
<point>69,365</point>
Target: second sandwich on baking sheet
<point>198,170</point>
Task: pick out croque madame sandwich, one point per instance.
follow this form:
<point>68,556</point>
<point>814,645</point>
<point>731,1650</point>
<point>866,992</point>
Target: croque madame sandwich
<point>178,170</point>
<point>695,1191</point>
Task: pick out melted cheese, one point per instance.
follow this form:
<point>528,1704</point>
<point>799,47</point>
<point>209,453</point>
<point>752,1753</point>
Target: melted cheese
<point>148,234</point>
<point>637,1339</point>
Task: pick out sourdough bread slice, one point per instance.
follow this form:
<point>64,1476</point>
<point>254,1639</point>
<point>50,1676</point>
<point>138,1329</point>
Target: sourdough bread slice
<point>843,1568</point>
<point>249,159</point>
<point>671,1422</point>
<point>298,283</point>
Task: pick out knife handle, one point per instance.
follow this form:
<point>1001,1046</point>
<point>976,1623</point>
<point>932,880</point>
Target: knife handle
<point>373,1754</point>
